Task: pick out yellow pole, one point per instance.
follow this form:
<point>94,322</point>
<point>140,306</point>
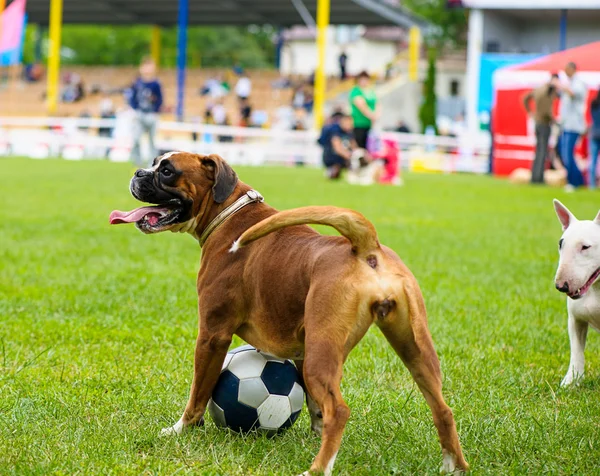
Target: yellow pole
<point>414,48</point>
<point>323,7</point>
<point>2,6</point>
<point>155,44</point>
<point>56,7</point>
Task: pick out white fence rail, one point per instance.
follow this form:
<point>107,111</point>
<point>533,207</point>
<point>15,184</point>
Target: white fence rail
<point>80,138</point>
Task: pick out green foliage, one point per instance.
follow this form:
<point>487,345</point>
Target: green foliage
<point>427,111</point>
<point>207,46</point>
<point>450,22</point>
<point>98,326</point>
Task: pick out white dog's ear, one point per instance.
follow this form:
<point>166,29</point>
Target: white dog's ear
<point>564,215</point>
<point>597,219</point>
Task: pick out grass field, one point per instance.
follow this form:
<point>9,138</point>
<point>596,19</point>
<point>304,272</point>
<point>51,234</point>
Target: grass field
<point>98,325</point>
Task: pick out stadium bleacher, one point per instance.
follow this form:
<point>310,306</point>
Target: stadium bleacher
<point>19,98</point>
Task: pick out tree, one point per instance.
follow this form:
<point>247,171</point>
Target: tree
<point>428,112</point>
<point>207,46</point>
<point>451,23</point>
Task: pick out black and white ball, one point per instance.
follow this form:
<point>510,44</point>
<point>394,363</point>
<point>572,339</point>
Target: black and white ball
<point>256,391</point>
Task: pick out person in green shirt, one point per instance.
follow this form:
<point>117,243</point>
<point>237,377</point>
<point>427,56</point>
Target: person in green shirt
<point>363,104</point>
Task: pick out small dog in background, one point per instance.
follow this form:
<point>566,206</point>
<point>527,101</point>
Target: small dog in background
<point>364,170</point>
<point>577,277</point>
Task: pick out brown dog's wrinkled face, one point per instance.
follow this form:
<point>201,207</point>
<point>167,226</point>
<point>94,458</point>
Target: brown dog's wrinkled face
<point>177,184</point>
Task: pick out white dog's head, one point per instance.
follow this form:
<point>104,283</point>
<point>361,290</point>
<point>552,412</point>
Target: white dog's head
<point>579,250</point>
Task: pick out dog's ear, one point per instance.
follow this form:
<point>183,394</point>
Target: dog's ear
<point>225,178</point>
<point>564,215</point>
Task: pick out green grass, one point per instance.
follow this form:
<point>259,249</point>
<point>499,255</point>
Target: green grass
<point>98,324</point>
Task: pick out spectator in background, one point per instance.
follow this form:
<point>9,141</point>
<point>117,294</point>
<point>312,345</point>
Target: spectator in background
<point>343,60</point>
<point>363,103</point>
<point>107,111</point>
<point>572,116</point>
<point>338,143</point>
<point>245,113</point>
<point>299,119</point>
<point>308,98</point>
<point>243,87</point>
<point>73,90</point>
<point>146,99</point>
<point>402,127</point>
<point>543,116</point>
<point>33,72</point>
<point>214,87</point>
<point>594,139</point>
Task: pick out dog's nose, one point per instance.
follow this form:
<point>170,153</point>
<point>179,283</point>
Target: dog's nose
<point>563,288</point>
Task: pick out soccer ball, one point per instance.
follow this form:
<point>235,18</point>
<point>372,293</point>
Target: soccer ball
<point>256,391</point>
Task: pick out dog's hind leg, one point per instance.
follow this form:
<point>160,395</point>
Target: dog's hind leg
<point>577,337</point>
<point>406,330</point>
<point>322,375</point>
<point>316,416</point>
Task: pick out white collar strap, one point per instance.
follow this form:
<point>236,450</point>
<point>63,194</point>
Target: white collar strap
<point>251,196</point>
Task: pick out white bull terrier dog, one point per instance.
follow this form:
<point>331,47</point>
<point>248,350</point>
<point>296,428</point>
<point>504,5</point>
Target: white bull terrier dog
<point>577,277</point>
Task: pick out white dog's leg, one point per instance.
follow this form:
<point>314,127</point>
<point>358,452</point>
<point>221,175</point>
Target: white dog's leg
<point>577,335</point>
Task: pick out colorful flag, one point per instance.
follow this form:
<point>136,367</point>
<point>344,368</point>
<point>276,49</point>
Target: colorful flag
<point>12,33</point>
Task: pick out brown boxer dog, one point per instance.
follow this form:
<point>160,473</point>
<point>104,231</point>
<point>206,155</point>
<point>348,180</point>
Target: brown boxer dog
<point>293,293</point>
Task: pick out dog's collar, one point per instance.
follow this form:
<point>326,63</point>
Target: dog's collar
<point>251,196</point>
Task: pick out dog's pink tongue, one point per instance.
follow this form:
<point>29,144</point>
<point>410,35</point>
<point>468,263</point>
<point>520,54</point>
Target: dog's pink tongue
<point>117,217</point>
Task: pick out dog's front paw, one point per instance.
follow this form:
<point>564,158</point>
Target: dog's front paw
<point>176,429</point>
<point>571,378</point>
<point>449,465</point>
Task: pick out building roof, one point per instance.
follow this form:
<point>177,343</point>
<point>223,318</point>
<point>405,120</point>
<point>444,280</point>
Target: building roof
<point>282,13</point>
<point>531,4</point>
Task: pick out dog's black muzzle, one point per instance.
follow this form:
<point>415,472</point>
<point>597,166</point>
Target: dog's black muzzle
<point>145,188</point>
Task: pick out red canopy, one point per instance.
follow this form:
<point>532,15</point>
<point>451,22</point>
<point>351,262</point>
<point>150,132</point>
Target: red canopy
<point>586,57</point>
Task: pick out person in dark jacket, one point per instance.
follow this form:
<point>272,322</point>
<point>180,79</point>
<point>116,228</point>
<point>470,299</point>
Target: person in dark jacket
<point>146,99</point>
<point>594,140</point>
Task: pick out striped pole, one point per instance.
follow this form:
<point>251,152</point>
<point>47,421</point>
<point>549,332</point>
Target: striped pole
<point>56,7</point>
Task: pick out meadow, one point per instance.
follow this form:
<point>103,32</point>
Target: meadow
<point>98,326</point>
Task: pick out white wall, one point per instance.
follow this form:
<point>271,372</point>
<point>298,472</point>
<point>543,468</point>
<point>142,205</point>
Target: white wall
<point>535,36</point>
<point>300,57</point>
<point>544,37</point>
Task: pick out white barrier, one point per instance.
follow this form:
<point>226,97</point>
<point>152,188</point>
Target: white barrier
<point>77,138</point>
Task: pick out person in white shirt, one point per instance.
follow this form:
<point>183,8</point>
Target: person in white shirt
<point>573,96</point>
<point>243,87</point>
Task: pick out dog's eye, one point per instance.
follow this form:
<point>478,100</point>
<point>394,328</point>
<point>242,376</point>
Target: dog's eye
<point>166,172</point>
<point>585,247</point>
<point>560,243</point>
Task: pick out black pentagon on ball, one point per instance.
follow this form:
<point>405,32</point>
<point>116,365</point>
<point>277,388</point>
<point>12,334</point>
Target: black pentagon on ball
<point>244,418</point>
<point>290,421</point>
<point>279,377</point>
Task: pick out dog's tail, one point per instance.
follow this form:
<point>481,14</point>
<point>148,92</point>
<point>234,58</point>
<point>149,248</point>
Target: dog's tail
<point>349,223</point>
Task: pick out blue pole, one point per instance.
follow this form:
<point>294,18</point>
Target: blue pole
<point>278,48</point>
<point>182,24</point>
<point>563,30</point>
